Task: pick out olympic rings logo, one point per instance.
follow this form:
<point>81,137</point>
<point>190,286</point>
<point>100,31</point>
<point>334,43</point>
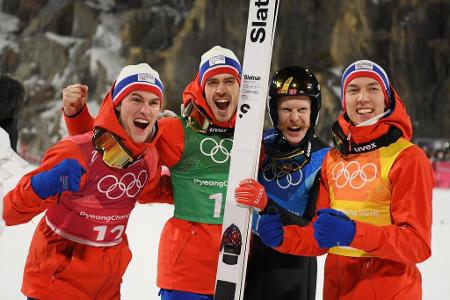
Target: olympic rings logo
<point>353,174</point>
<point>218,152</point>
<point>283,177</point>
<point>128,184</point>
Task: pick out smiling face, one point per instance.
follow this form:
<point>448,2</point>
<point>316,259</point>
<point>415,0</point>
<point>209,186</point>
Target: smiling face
<point>222,93</point>
<point>138,114</point>
<point>294,117</point>
<point>364,99</point>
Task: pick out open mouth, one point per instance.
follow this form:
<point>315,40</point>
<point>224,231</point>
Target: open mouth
<point>364,111</point>
<point>222,104</point>
<point>294,129</point>
<point>141,123</point>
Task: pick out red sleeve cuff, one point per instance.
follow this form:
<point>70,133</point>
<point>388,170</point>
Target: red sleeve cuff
<point>79,123</point>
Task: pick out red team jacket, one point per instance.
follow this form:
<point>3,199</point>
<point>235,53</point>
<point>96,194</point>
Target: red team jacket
<point>60,268</point>
<point>392,213</point>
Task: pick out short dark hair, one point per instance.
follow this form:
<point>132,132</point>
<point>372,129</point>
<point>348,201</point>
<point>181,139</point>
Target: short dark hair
<point>12,94</point>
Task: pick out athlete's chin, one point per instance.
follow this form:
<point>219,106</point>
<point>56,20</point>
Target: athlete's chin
<point>222,116</point>
<point>294,139</point>
<point>362,118</point>
<point>139,138</point>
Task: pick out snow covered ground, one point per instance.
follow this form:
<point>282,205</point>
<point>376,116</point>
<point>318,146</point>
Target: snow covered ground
<point>144,230</point>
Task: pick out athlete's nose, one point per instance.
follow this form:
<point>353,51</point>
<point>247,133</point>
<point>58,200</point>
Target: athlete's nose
<point>362,95</point>
<point>221,89</point>
<point>145,109</point>
<point>295,116</point>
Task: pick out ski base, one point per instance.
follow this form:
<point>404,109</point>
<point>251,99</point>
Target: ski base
<point>224,290</point>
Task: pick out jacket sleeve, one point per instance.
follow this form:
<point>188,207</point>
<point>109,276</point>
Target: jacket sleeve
<point>300,240</point>
<point>21,204</point>
<point>80,123</point>
<point>159,190</point>
<point>408,238</point>
<point>170,143</point>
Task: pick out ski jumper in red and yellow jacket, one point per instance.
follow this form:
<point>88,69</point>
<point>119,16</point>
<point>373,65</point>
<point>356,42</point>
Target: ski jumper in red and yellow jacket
<point>79,249</point>
<point>387,191</point>
<point>190,241</point>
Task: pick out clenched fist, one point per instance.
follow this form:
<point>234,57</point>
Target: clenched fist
<point>74,98</point>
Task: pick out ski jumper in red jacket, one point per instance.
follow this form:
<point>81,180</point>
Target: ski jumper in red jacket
<point>79,249</point>
<point>384,183</point>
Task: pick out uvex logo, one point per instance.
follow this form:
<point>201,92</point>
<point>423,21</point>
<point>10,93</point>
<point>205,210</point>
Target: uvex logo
<point>258,32</point>
<point>365,147</point>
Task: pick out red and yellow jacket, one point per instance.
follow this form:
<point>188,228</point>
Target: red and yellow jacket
<point>391,203</point>
<point>57,268</point>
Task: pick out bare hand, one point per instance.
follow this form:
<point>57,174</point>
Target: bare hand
<point>74,98</point>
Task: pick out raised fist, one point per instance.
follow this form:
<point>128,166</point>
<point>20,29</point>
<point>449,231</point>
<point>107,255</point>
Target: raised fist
<point>74,98</point>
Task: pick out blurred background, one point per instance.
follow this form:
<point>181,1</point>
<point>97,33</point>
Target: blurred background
<point>48,44</point>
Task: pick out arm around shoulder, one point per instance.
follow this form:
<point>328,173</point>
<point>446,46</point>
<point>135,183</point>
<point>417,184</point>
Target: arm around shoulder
<point>159,190</point>
<point>170,143</point>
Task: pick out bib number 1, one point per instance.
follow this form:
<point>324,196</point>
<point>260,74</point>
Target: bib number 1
<point>217,204</point>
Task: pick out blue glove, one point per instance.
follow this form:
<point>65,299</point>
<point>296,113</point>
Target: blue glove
<point>270,230</point>
<point>65,176</point>
<point>333,228</point>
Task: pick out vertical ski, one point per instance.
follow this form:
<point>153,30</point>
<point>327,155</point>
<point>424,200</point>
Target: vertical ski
<point>231,271</point>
